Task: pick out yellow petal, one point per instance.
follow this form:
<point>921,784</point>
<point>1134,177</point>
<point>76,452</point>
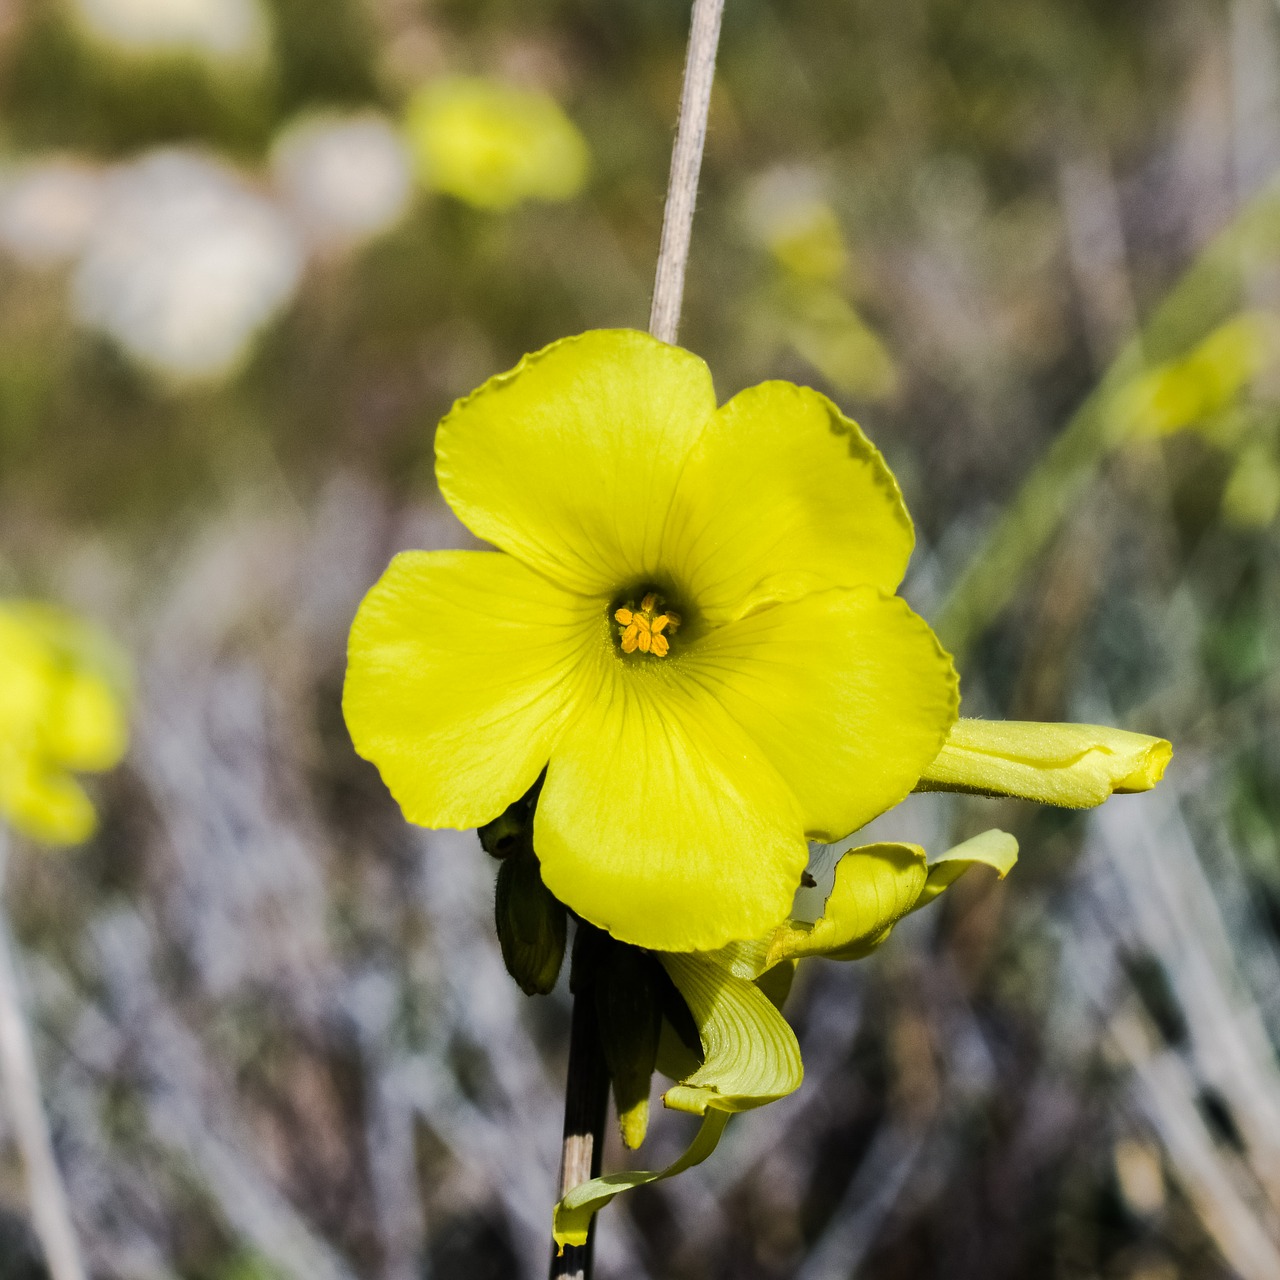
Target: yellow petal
<point>874,886</point>
<point>461,665</point>
<point>570,461</point>
<point>1073,765</point>
<point>27,676</point>
<point>660,821</point>
<point>572,1219</point>
<point>87,728</point>
<point>847,693</point>
<point>783,496</point>
<point>44,803</point>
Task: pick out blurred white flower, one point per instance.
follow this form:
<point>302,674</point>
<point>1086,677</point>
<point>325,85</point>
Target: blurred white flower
<point>185,265</point>
<point>217,28</point>
<point>345,178</point>
<point>47,209</point>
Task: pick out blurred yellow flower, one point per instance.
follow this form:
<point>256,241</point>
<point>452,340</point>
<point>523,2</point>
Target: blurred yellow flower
<point>1197,389</point>
<point>797,695</point>
<point>494,144</point>
<point>61,709</point>
<point>1251,499</point>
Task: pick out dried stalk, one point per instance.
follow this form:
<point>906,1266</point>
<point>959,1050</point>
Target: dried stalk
<point>48,1196</point>
<point>686,164</point>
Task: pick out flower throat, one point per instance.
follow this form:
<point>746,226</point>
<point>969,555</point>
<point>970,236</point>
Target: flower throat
<point>647,628</point>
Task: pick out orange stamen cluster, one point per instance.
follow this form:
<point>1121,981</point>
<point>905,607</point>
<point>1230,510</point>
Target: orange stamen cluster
<point>643,628</point>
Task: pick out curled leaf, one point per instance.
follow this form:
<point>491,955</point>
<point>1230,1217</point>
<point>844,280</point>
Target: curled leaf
<point>751,1058</point>
<point>751,1053</point>
<point>875,886</point>
<point>995,849</point>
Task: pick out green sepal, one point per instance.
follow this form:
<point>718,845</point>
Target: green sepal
<point>511,832</point>
<point>531,925</point>
<point>630,1018</point>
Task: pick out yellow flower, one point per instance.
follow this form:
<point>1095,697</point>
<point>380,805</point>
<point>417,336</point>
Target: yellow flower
<point>60,710</point>
<point>493,144</point>
<point>797,697</point>
<point>1196,390</point>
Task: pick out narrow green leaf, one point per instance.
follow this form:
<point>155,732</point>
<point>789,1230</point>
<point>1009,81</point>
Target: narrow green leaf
<point>574,1213</point>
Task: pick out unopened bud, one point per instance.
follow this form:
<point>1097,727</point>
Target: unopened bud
<point>531,924</point>
<point>630,1016</point>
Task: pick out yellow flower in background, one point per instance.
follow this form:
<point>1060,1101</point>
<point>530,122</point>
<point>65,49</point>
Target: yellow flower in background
<point>805,305</point>
<point>797,696</point>
<point>495,145</point>
<point>61,711</point>
<point>1198,388</point>
<point>1251,499</point>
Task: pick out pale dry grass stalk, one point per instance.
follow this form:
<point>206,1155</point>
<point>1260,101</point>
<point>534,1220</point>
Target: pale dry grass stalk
<point>50,1210</point>
<point>686,164</point>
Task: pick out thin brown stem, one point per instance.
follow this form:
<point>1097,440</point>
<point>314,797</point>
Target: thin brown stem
<point>585,1100</point>
<point>686,164</point>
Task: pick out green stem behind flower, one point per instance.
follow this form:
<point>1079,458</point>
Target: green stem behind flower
<point>1208,291</point>
<point>586,1097</point>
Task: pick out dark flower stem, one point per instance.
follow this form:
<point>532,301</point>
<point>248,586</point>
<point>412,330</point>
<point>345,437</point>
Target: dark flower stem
<point>587,1087</point>
<point>586,1098</point>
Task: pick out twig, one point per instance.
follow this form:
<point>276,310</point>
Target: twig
<point>585,1100</point>
<point>686,163</point>
<point>45,1189</point>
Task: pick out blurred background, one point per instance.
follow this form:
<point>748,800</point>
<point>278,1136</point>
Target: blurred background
<point>251,250</point>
